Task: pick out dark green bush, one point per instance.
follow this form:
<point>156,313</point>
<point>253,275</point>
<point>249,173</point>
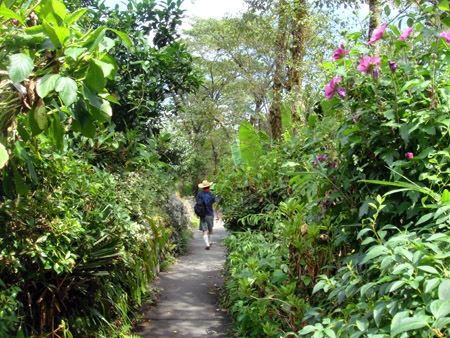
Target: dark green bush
<point>83,246</point>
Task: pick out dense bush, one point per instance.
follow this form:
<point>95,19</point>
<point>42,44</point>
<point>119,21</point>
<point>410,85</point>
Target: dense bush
<point>259,289</point>
<point>383,131</point>
<point>397,284</point>
<point>83,246</point>
<point>82,226</point>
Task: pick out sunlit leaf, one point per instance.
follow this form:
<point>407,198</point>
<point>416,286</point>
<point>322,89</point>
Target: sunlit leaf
<point>4,157</point>
<point>40,115</point>
<point>443,5</point>
<point>9,14</point>
<point>401,324</point>
<point>124,37</point>
<point>74,52</point>
<point>444,290</point>
<point>67,89</point>
<point>46,84</point>
<point>20,66</point>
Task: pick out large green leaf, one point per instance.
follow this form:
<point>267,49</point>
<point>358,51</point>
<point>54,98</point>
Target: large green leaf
<point>40,115</point>
<point>443,5</point>
<point>91,96</point>
<point>104,113</point>
<point>4,157</point>
<point>109,97</point>
<point>21,153</point>
<point>67,89</point>
<point>251,145</point>
<point>440,308</point>
<point>94,38</point>
<point>444,290</point>
<point>9,14</point>
<point>95,78</point>
<point>106,110</point>
<point>74,52</point>
<point>20,66</point>
<point>375,251</point>
<point>58,131</point>
<point>51,33</point>
<point>52,11</point>
<point>124,37</point>
<point>110,60</point>
<point>75,16</point>
<point>62,33</point>
<point>401,324</point>
<point>46,84</point>
<point>21,187</point>
<point>236,153</point>
<point>107,68</point>
<point>59,8</point>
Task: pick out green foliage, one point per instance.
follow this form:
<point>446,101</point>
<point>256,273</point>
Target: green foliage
<point>84,246</point>
<point>83,230</point>
<point>260,287</point>
<point>397,284</point>
<point>9,306</point>
<point>157,68</point>
<point>383,269</point>
<point>59,72</point>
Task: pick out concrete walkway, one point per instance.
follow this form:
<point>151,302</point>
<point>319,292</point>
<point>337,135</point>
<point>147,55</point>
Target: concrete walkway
<point>187,306</point>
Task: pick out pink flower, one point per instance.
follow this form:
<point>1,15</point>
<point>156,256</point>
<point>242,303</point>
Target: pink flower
<point>322,158</point>
<point>330,88</point>
<point>446,36</point>
<point>340,53</point>
<point>368,64</point>
<point>406,33</point>
<point>378,33</point>
<point>409,155</point>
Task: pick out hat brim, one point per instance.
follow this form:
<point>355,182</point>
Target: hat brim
<point>205,186</point>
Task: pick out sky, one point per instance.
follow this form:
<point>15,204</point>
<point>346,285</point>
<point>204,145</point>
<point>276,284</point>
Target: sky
<point>212,8</point>
<point>202,8</point>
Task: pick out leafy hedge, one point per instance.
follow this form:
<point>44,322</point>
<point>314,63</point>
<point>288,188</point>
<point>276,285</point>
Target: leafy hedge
<point>82,226</point>
<point>83,247</point>
<point>362,195</point>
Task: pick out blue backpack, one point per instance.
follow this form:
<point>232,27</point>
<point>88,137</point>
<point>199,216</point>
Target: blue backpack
<point>200,206</point>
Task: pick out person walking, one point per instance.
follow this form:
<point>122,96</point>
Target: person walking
<point>207,221</point>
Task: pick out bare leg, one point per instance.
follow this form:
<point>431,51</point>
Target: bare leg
<point>210,237</point>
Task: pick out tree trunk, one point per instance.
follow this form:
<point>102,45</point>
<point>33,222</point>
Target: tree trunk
<point>216,157</point>
<point>375,21</point>
<point>275,108</point>
<point>297,49</point>
<point>277,85</point>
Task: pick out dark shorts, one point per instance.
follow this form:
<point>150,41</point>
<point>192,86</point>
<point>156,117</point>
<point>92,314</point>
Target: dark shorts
<point>207,223</point>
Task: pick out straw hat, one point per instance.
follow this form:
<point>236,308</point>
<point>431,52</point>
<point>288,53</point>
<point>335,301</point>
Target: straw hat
<point>205,184</point>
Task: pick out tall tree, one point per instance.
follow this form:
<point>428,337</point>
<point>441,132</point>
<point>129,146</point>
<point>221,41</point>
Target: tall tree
<point>156,71</point>
<point>294,24</point>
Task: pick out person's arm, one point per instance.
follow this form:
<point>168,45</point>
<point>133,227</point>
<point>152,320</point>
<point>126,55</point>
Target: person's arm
<point>217,211</point>
<point>215,207</point>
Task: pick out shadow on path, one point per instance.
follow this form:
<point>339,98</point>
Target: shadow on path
<point>187,306</point>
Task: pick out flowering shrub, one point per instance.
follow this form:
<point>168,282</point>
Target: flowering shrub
<point>383,125</point>
<point>396,282</point>
<point>394,121</point>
